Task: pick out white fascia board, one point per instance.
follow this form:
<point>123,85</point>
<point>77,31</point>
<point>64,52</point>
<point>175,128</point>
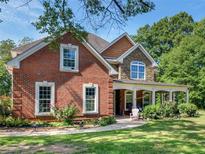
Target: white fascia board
<point>117,39</point>
<point>100,58</point>
<point>121,58</point>
<point>15,62</point>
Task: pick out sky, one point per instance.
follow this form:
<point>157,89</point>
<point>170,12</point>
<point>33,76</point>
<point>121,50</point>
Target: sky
<point>17,20</point>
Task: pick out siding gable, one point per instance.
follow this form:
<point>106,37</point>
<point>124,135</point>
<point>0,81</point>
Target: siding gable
<point>118,48</point>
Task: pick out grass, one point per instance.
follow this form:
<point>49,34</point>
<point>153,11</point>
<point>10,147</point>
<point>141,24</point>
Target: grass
<point>186,135</point>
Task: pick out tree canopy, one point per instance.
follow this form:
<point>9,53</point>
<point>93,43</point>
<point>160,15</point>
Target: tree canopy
<point>5,48</point>
<point>165,34</point>
<point>59,17</point>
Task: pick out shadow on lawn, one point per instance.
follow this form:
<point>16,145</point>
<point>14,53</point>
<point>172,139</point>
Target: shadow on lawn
<point>169,136</point>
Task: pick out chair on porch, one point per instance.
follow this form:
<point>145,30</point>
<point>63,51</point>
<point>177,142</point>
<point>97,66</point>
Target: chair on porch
<point>135,114</point>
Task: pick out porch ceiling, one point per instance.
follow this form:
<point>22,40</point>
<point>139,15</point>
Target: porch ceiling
<point>148,85</point>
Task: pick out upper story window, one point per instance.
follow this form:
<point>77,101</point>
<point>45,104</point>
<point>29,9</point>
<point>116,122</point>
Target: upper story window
<point>69,58</point>
<point>137,70</point>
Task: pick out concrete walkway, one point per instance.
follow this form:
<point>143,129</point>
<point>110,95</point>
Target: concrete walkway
<point>121,124</point>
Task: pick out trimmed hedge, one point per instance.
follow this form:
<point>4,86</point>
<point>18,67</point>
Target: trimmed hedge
<point>169,110</point>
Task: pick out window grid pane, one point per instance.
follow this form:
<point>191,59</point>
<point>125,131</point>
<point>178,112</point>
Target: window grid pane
<point>44,98</point>
<point>90,99</point>
<point>137,70</point>
<point>69,56</point>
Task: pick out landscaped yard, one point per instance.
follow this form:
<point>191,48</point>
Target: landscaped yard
<point>166,136</point>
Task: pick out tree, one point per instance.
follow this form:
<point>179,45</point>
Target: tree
<point>5,48</point>
<point>58,16</point>
<point>25,40</point>
<point>2,1</point>
<point>165,34</point>
<point>5,77</point>
<point>5,80</point>
<point>185,64</point>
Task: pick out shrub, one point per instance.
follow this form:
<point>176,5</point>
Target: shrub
<point>5,106</point>
<point>188,108</point>
<point>66,114</point>
<point>104,121</point>
<point>168,109</point>
<point>13,122</point>
<point>151,111</point>
<point>159,111</point>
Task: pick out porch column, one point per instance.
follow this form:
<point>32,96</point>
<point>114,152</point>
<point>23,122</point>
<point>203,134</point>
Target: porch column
<point>170,96</point>
<point>134,99</point>
<point>153,97</point>
<point>187,96</point>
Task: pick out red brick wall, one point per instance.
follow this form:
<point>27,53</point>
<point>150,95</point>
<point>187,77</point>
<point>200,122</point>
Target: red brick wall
<point>44,66</point>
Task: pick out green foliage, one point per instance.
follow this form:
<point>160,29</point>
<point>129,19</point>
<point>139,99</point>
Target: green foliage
<point>25,40</point>
<point>66,114</point>
<point>152,111</point>
<point>58,17</point>
<point>160,111</point>
<point>165,34</point>
<point>185,64</point>
<point>188,108</point>
<point>104,121</point>
<point>5,48</point>
<point>168,109</point>
<point>13,122</point>
<point>5,106</point>
<point>5,80</point>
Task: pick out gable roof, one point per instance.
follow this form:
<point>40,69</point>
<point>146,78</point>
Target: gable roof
<point>28,50</point>
<point>117,39</point>
<point>125,54</point>
<point>97,43</point>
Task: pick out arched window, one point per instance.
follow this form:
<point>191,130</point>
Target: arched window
<point>137,70</point>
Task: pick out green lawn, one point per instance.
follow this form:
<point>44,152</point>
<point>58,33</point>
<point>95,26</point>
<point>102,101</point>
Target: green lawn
<point>167,136</point>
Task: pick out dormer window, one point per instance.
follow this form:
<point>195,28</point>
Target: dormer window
<point>69,58</point>
<point>137,70</point>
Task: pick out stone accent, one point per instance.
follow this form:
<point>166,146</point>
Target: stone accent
<point>137,55</point>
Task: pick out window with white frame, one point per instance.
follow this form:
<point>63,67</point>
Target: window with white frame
<point>69,57</point>
<point>128,100</point>
<point>137,70</point>
<point>44,98</point>
<point>90,98</point>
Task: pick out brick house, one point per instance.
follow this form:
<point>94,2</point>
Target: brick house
<point>99,77</point>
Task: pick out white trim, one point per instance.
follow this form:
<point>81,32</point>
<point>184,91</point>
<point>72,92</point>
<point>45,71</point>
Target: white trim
<point>150,87</point>
<point>125,54</point>
<point>37,85</point>
<point>67,46</point>
<point>90,85</point>
<point>138,70</point>
<point>126,98</point>
<point>15,62</point>
<point>117,39</point>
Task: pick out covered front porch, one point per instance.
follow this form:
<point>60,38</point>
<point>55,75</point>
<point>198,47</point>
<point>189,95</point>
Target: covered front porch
<point>130,94</point>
